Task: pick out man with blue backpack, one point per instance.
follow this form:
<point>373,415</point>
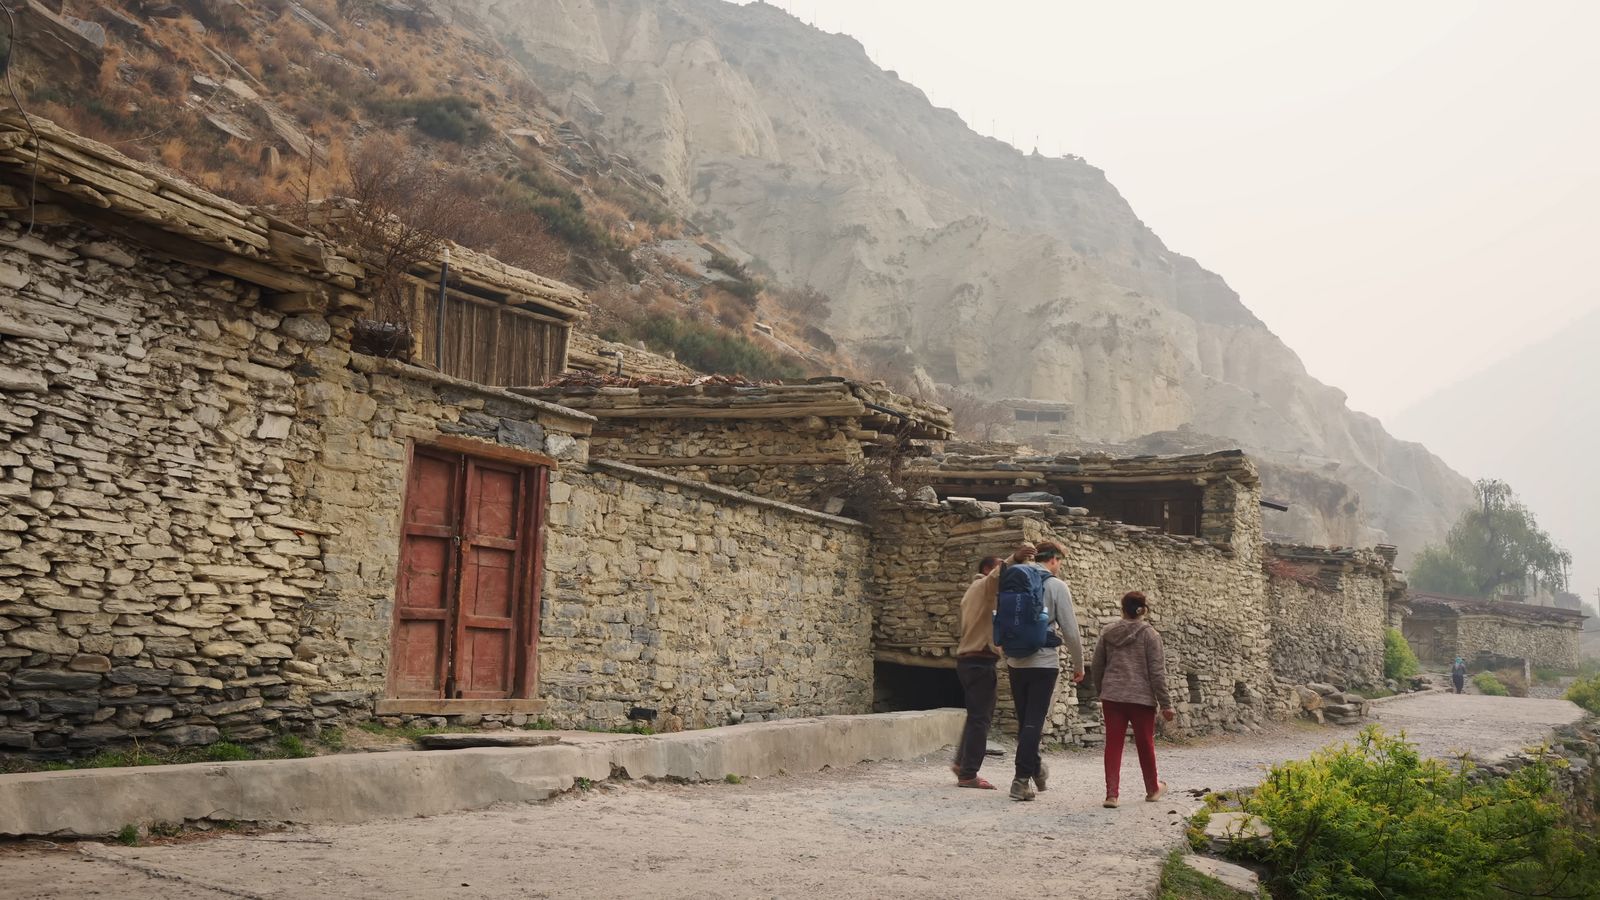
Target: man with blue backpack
<point>976,656</point>
<point>1033,616</point>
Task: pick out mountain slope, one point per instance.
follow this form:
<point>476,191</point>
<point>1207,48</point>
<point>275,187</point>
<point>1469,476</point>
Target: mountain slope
<point>1015,275</point>
<point>1532,420</point>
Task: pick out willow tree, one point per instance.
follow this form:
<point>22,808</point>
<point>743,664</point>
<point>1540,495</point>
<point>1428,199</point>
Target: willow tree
<point>1496,545</point>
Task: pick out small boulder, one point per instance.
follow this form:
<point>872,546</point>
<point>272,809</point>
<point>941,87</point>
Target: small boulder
<point>1228,828</point>
<point>1237,877</point>
<point>1323,688</point>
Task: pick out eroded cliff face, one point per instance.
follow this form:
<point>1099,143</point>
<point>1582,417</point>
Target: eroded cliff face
<point>1012,274</point>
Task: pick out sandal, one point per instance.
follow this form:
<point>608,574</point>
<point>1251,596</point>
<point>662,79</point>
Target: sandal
<point>1109,803</point>
<point>1161,789</point>
<point>977,782</point>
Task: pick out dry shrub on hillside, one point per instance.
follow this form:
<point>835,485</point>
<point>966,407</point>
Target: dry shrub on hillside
<point>976,417</point>
<point>805,303</point>
<point>730,312</point>
<point>406,210</point>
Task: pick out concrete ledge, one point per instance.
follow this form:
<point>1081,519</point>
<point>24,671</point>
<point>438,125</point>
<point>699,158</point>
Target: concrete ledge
<point>360,787</point>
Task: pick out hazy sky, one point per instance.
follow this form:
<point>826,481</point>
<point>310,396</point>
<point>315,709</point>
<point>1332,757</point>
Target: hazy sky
<point>1404,191</point>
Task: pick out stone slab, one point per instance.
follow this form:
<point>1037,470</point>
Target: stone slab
<point>427,707</point>
<point>1237,877</point>
<point>1226,828</point>
<point>360,787</point>
<point>469,739</point>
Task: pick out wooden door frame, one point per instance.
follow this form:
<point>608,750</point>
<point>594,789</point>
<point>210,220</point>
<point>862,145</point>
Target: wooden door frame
<point>537,469</point>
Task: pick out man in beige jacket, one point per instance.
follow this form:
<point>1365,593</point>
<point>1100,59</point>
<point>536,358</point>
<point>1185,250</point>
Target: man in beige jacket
<point>976,656</point>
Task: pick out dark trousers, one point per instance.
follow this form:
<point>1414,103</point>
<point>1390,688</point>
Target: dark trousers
<point>981,687</point>
<point>1460,681</point>
<point>1030,695</point>
<point>1143,719</point>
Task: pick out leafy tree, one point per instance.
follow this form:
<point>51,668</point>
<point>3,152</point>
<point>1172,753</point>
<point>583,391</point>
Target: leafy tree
<point>1495,545</point>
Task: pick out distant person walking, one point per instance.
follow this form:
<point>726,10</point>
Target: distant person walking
<point>1458,675</point>
<point>976,656</point>
<point>1033,662</point>
<point>1130,678</point>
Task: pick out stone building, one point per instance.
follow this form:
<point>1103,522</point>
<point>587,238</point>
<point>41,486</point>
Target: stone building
<point>217,520</point>
<point>221,518</point>
<point>1440,627</point>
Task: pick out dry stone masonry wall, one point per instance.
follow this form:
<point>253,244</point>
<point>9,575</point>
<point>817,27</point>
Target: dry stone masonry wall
<point>1327,611</point>
<point>1207,603</point>
<point>155,574</point>
<point>200,500</point>
<point>783,459</point>
<point>703,605</point>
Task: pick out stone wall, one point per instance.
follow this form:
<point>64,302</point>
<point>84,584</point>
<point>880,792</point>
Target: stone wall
<point>1327,612</point>
<point>199,499</point>
<point>1439,636</point>
<point>698,602</point>
<point>783,459</point>
<point>1207,602</point>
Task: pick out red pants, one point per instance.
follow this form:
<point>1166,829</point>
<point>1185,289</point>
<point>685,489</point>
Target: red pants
<point>1143,718</point>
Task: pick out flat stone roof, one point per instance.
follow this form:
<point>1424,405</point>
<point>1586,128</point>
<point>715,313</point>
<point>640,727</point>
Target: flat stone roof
<point>1471,606</point>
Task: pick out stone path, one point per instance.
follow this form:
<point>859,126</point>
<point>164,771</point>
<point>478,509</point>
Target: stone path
<point>882,830</point>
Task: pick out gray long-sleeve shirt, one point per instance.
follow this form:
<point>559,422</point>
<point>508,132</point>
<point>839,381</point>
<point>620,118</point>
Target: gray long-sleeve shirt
<point>1057,599</point>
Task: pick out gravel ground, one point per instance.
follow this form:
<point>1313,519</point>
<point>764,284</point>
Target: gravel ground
<point>880,830</point>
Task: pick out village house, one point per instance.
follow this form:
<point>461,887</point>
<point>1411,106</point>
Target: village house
<point>222,516</point>
<point>1491,633</point>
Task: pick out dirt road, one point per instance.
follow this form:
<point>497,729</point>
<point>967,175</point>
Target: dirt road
<point>880,830</point>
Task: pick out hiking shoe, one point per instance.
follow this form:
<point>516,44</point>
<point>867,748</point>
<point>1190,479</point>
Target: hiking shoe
<point>1110,803</point>
<point>1021,790</point>
<point>981,784</point>
<point>1040,776</point>
<point>1153,796</point>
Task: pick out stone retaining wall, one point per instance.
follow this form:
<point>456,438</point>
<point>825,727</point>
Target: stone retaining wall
<point>1208,604</point>
<point>1327,613</point>
<point>761,452</point>
<point>702,604</point>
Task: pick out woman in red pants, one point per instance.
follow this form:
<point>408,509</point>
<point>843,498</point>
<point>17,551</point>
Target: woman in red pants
<point>1130,677</point>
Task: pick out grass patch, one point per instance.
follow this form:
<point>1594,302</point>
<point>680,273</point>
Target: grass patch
<point>1195,833</point>
<point>711,349</point>
<point>448,118</point>
<point>1488,684</point>
<point>411,732</point>
<point>128,835</point>
<point>1374,693</point>
<point>287,746</point>
<point>1586,693</point>
<point>731,778</point>
<point>1179,882</point>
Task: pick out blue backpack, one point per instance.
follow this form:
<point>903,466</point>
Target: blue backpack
<point>1021,618</point>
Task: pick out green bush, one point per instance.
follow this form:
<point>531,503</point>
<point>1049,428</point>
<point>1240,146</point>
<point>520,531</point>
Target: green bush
<point>1586,693</point>
<point>711,349</point>
<point>1488,684</point>
<point>448,118</point>
<point>1398,660</point>
<point>1375,819</point>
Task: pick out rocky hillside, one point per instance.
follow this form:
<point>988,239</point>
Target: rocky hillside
<point>727,179</point>
<point>1012,274</point>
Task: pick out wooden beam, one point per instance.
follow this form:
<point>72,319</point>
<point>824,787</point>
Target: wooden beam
<point>665,462</point>
<point>486,450</point>
<point>424,706</point>
<point>914,659</point>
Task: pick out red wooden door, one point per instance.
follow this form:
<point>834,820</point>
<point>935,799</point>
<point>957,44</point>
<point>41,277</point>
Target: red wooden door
<point>472,627</point>
<point>427,576</point>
